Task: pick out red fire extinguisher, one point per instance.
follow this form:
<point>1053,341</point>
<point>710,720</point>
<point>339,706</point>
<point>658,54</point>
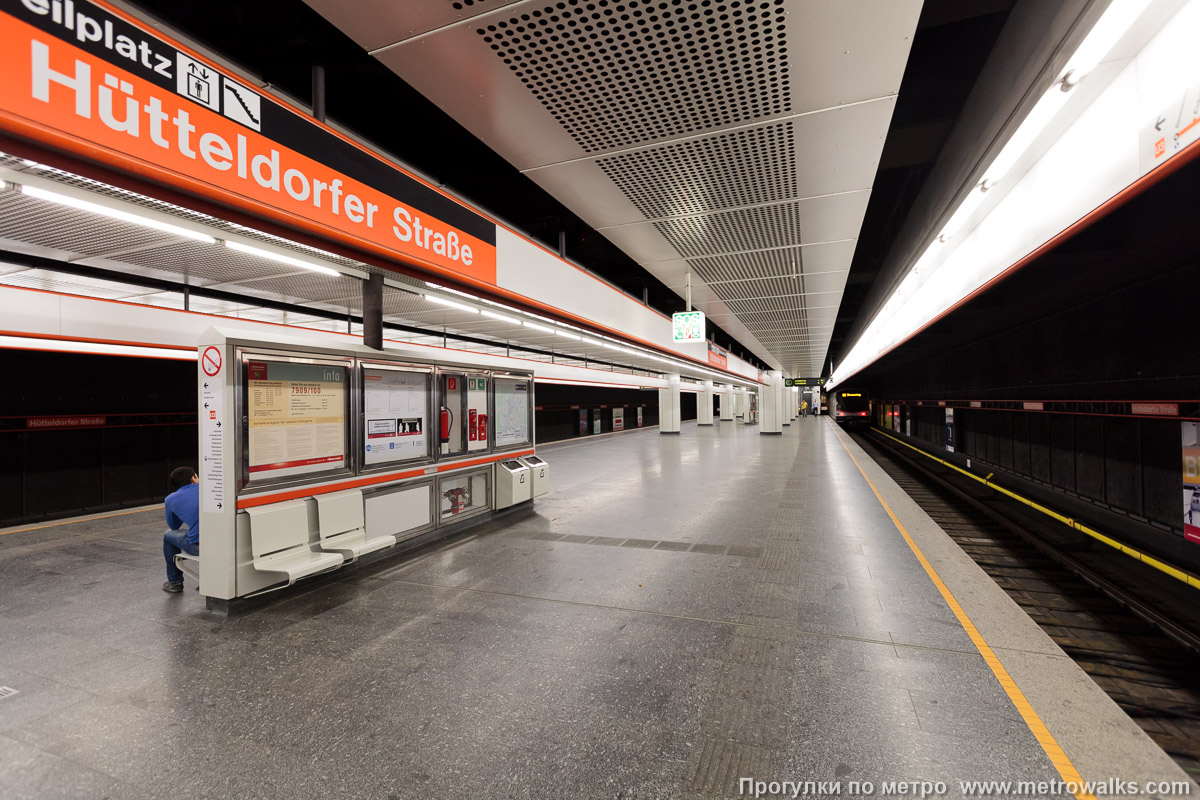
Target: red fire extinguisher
<point>447,417</point>
<point>459,498</point>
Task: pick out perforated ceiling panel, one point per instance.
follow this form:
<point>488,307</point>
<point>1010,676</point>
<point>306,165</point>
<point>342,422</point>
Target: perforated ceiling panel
<point>742,266</point>
<point>745,167</point>
<point>617,74</point>
<point>702,137</point>
<point>733,231</point>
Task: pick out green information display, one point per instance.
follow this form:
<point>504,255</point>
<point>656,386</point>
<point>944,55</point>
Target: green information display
<point>803,382</point>
<point>688,326</point>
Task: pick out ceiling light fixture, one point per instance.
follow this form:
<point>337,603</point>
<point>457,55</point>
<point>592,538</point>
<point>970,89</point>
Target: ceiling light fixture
<point>441,301</point>
<point>1097,44</point>
<point>113,213</point>
<point>500,317</point>
<point>537,327</point>
<point>271,255</point>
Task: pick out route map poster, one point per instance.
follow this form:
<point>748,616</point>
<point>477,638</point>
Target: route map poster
<point>296,418</point>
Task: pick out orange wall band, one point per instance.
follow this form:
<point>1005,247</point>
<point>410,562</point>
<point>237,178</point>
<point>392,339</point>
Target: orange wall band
<point>369,480</point>
<point>187,142</point>
<point>56,125</point>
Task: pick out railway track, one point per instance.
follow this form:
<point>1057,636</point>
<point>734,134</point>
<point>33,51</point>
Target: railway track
<point>1140,655</point>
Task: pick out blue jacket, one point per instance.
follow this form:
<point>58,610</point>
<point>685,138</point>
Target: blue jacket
<point>183,508</point>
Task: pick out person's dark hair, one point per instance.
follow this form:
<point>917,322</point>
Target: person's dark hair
<point>181,476</point>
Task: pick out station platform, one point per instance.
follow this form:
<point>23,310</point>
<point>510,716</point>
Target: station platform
<point>680,614</point>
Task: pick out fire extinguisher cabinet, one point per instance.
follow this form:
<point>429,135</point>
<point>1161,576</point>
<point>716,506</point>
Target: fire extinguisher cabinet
<point>539,473</point>
<point>514,483</point>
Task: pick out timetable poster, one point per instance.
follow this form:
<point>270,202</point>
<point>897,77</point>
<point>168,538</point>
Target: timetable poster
<point>296,418</point>
<point>394,415</point>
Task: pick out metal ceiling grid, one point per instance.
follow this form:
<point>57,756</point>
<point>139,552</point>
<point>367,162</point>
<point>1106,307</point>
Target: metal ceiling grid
<point>205,264</point>
<point>53,229</point>
<point>49,281</point>
<point>303,287</point>
<point>697,135</point>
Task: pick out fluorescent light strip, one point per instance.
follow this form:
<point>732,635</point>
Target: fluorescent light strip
<point>113,213</point>
<point>537,327</point>
<point>95,348</point>
<point>566,335</point>
<point>271,255</point>
<point>500,317</point>
<point>1109,29</point>
<point>441,301</point>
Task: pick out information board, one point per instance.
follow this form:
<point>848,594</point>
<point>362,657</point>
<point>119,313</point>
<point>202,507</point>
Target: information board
<point>512,412</point>
<point>395,413</point>
<point>296,418</point>
<point>687,326</point>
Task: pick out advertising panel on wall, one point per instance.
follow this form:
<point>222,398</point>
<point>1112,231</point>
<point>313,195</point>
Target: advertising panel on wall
<point>85,78</point>
<point>618,419</point>
<point>950,429</point>
<point>1191,481</point>
<point>394,415</point>
<point>296,418</point>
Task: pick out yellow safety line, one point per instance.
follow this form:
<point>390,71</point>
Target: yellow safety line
<point>1162,566</point>
<point>76,519</point>
<point>1038,728</point>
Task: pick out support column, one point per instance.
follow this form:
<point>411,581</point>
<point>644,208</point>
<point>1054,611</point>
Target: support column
<point>743,405</point>
<point>668,406</point>
<point>726,404</point>
<point>704,405</point>
<point>791,398</point>
<point>372,307</point>
<point>771,405</point>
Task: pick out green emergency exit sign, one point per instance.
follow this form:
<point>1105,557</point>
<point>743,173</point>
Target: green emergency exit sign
<point>688,326</point>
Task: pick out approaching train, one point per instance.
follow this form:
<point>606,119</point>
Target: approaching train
<point>851,408</point>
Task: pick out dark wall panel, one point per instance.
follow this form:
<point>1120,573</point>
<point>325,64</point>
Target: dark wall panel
<point>1122,465</point>
<point>1089,457</point>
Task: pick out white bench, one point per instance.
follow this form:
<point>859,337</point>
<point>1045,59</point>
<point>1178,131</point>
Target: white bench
<point>184,563</point>
<point>343,525</point>
<point>279,542</point>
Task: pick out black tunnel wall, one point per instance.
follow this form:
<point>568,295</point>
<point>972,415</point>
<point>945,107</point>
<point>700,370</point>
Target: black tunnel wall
<point>1055,357</point>
<point>558,409</point>
<point>149,411</point>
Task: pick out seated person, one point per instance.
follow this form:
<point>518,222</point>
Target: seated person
<point>183,508</point>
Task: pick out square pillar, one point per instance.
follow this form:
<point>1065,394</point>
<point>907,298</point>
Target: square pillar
<point>726,404</point>
<point>668,406</point>
<point>704,405</point>
<point>771,405</point>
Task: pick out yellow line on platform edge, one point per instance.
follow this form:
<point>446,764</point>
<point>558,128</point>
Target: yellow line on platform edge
<point>74,520</point>
<point>1150,561</point>
<point>1038,728</point>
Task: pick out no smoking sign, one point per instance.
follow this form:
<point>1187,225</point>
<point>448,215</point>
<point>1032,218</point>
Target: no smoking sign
<point>210,361</point>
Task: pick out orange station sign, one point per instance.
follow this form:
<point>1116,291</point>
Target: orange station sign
<point>85,78</point>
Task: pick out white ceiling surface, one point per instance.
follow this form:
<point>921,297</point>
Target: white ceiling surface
<point>35,226</point>
<point>736,140</point>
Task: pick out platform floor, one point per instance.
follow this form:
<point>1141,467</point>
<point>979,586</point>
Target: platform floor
<point>680,613</point>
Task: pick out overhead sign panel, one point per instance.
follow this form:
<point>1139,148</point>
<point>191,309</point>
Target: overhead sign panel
<point>803,382</point>
<point>85,78</point>
<point>687,326</point>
